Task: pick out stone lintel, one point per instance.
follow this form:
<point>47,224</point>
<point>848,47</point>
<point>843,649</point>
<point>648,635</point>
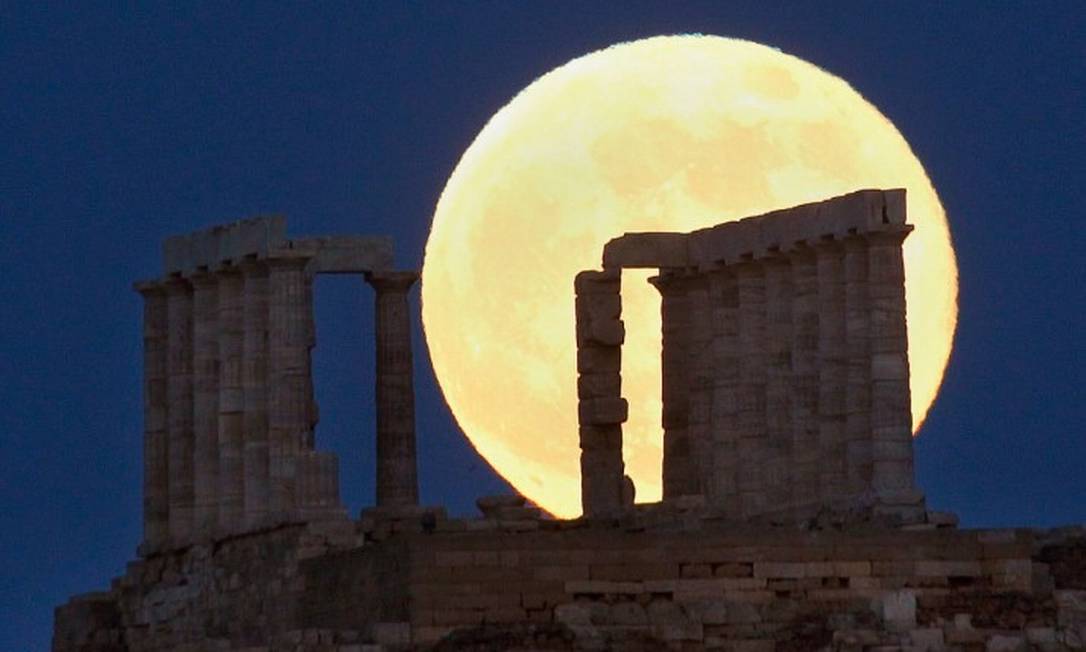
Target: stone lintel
<point>347,254</point>
<point>646,250</point>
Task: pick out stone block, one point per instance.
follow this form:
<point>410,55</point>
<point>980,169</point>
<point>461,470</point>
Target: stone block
<point>607,281</point>
<point>898,610</point>
<point>1006,643</point>
<point>602,411</point>
<point>927,640</point>
<point>599,385</point>
<point>347,254</point>
<point>599,359</point>
<point>646,250</point>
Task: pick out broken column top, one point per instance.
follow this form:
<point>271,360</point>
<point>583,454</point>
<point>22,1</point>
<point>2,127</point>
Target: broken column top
<point>266,237</point>
<point>863,211</point>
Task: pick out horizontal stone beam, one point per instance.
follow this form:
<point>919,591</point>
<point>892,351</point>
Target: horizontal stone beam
<point>223,243</point>
<point>347,254</point>
<point>862,211</point>
<point>647,250</point>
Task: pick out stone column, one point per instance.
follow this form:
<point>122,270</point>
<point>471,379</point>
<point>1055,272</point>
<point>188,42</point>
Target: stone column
<point>805,424</point>
<point>778,391</point>
<point>255,392</point>
<point>205,388</point>
<point>699,363</point>
<point>680,476</point>
<point>723,296</point>
<point>231,401</point>
<point>180,414</point>
<point>858,350</point>
<point>891,412</point>
<point>156,466</point>
<point>397,467</point>
<point>751,409</point>
<point>832,370</point>
<point>601,410</point>
<point>288,364</point>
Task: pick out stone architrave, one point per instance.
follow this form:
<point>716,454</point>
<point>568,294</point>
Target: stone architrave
<point>397,467</point>
<point>156,465</point>
<point>254,382</point>
<point>231,502</point>
<point>205,388</point>
<point>180,414</point>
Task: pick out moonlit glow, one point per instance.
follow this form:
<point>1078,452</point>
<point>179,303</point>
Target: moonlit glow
<point>665,134</point>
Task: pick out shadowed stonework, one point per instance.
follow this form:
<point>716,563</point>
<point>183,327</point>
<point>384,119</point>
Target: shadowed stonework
<point>790,519</point>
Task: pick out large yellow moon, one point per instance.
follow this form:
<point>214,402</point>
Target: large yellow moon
<point>670,133</point>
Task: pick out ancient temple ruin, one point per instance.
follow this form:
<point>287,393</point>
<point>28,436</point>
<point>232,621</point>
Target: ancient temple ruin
<point>785,363</point>
<point>786,396</point>
<point>229,411</point>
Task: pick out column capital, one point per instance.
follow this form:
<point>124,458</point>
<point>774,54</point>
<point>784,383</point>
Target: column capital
<point>288,258</point>
<point>388,281</point>
<point>177,285</point>
<point>150,288</point>
<point>203,278</point>
<point>671,282</point>
<point>893,234</point>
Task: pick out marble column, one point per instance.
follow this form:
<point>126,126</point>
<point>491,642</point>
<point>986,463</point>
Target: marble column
<point>891,412</point>
<point>288,364</point>
<point>751,409</point>
<point>679,473</point>
<point>723,297</point>
<point>397,467</point>
<point>254,381</point>
<point>778,388</point>
<point>156,466</point>
<point>832,370</point>
<point>805,337</point>
<point>601,410</point>
<point>231,401</point>
<point>858,381</point>
<point>205,388</point>
<point>180,414</point>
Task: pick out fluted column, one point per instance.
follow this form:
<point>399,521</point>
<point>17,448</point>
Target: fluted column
<point>601,410</point>
<point>231,401</point>
<point>288,365</point>
<point>180,415</point>
<point>858,350</point>
<point>805,424</point>
<point>778,391</point>
<point>397,467</point>
<point>255,392</point>
<point>156,477</point>
<point>698,361</point>
<point>680,476</point>
<point>723,296</point>
<point>891,415</point>
<point>832,369</point>
<point>205,392</point>
<point>751,414</point>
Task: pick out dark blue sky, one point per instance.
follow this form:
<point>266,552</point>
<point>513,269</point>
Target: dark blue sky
<point>119,128</point>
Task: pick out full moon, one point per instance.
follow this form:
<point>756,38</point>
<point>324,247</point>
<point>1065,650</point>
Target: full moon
<point>671,133</point>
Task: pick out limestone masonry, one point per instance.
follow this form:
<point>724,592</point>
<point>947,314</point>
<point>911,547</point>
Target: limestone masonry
<point>790,518</point>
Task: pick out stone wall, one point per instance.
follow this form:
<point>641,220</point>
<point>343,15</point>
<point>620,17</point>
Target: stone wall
<point>514,581</point>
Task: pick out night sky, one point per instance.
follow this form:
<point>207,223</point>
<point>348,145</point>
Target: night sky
<point>118,129</point>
